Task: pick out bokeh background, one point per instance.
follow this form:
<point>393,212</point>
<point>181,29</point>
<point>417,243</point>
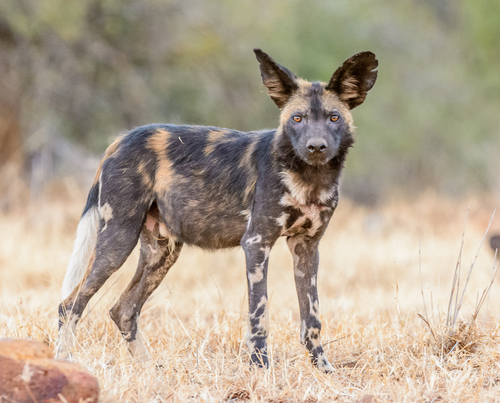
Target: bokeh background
<point>75,74</point>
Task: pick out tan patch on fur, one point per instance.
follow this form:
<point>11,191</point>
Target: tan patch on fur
<point>146,179</point>
<point>257,276</point>
<point>246,163</point>
<point>292,243</point>
<point>112,148</point>
<point>164,231</point>
<point>288,200</point>
<point>246,159</point>
<point>332,102</point>
<point>299,190</point>
<point>262,328</point>
<point>249,188</point>
<point>313,213</point>
<point>282,219</point>
<point>328,194</point>
<point>310,212</point>
<point>264,318</point>
<point>164,175</point>
<point>297,103</point>
<point>350,89</point>
<point>213,139</point>
<point>245,214</point>
<point>313,336</point>
<point>313,307</point>
<point>275,89</point>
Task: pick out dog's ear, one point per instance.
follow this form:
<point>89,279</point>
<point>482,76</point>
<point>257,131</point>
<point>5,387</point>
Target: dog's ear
<point>280,82</point>
<point>354,78</point>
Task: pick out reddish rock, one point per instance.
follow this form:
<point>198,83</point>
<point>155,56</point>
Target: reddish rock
<point>23,349</point>
<point>43,380</point>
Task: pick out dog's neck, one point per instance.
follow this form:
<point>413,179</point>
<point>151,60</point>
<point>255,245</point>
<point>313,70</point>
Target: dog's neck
<point>306,183</point>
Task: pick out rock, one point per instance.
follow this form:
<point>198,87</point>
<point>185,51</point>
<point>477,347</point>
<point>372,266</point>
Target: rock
<point>30,374</point>
<point>24,349</point>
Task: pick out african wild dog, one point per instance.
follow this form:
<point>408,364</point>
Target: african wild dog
<point>216,188</point>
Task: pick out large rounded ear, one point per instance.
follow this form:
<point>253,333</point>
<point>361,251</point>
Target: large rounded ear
<point>354,78</point>
<point>280,82</point>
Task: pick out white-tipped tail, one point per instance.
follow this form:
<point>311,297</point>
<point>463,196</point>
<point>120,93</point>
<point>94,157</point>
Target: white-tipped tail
<point>86,239</point>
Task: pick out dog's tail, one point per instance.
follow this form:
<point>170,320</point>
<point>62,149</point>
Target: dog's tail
<point>85,242</point>
<point>86,233</point>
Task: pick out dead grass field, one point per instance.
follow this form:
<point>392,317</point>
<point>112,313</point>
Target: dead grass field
<point>370,297</point>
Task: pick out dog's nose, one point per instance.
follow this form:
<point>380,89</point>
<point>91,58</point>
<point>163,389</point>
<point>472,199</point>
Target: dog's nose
<point>316,145</point>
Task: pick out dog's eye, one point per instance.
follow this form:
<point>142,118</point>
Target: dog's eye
<point>334,118</point>
<point>297,118</point>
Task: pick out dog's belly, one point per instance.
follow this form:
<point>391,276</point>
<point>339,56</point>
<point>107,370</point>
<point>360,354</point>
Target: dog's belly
<point>212,232</point>
<point>195,218</point>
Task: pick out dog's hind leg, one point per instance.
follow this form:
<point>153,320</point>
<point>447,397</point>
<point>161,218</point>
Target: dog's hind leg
<point>118,233</point>
<point>158,253</point>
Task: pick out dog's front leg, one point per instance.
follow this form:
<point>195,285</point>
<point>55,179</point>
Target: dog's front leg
<point>305,259</point>
<point>257,257</point>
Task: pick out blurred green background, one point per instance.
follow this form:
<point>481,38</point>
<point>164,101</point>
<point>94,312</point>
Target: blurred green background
<point>87,70</point>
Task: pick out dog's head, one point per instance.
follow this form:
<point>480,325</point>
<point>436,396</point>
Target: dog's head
<point>316,116</point>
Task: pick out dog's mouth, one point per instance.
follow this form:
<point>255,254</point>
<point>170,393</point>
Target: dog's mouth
<point>315,162</point>
<point>318,158</point>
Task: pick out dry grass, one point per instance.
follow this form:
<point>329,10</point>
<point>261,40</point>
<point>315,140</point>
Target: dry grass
<point>370,296</point>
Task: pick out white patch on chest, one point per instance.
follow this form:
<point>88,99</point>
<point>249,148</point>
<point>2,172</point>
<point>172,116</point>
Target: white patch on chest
<point>299,190</point>
<point>329,195</point>
<point>298,196</point>
<point>308,223</point>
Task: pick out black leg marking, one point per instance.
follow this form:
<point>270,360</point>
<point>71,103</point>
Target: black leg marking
<point>257,258</point>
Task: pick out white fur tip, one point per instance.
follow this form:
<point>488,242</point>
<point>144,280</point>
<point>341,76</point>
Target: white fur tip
<point>86,238</point>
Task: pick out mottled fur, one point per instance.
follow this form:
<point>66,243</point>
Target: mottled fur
<point>214,188</point>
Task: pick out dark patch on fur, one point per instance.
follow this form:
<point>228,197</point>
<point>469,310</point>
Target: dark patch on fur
<point>92,198</point>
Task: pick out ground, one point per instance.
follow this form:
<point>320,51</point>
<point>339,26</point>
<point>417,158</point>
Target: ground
<point>376,268</point>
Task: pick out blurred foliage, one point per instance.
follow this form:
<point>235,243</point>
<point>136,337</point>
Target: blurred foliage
<point>90,69</point>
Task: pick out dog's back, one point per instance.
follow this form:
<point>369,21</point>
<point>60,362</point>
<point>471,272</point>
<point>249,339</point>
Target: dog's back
<point>202,178</point>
